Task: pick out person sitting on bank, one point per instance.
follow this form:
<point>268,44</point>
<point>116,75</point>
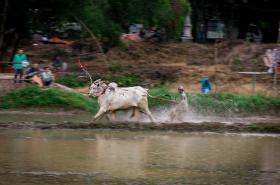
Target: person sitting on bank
<point>33,75</point>
<point>18,66</point>
<point>205,86</point>
<point>47,76</point>
<point>32,71</point>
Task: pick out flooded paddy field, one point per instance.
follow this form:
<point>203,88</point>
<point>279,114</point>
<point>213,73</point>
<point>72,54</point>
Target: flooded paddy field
<point>84,156</point>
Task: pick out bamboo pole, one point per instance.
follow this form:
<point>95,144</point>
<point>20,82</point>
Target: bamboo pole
<point>92,35</point>
<point>95,40</point>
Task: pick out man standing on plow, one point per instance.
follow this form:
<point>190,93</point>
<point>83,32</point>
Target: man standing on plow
<point>179,111</point>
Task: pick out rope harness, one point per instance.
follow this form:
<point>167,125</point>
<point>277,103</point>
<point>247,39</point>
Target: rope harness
<point>163,99</point>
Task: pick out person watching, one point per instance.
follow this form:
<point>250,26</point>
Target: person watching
<point>18,66</point>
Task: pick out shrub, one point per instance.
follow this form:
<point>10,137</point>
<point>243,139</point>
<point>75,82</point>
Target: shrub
<point>127,80</point>
<point>71,81</point>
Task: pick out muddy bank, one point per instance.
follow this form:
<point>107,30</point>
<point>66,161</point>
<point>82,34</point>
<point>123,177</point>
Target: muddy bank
<point>83,121</point>
<point>186,127</point>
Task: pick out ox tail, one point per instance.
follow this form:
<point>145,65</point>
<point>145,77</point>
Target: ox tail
<point>163,99</point>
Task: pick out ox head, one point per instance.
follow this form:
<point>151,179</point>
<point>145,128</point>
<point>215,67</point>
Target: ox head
<point>97,88</point>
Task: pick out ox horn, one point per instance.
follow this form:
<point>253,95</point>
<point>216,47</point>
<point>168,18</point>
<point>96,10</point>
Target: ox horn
<point>85,71</point>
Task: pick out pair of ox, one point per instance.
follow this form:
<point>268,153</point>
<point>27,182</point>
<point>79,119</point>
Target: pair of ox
<point>112,98</point>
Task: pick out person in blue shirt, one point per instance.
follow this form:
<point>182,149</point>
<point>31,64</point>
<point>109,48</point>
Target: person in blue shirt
<point>18,66</point>
<point>205,86</point>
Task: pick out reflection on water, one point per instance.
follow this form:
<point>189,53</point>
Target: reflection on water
<point>122,157</point>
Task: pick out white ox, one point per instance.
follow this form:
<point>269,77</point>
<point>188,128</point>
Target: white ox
<point>112,98</point>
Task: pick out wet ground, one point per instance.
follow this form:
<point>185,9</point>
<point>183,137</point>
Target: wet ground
<point>75,157</point>
<point>53,119</point>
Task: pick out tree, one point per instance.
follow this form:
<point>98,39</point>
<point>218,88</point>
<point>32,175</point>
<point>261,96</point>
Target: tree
<point>3,18</point>
<point>107,19</point>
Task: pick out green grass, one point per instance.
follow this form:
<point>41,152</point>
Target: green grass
<point>232,103</point>
<point>74,81</point>
<point>71,81</point>
<point>220,103</point>
<point>162,93</point>
<point>35,97</point>
<point>217,103</point>
<point>127,80</point>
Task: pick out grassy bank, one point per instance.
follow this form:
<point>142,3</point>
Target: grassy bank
<point>221,103</point>
<point>233,103</point>
<point>216,103</point>
<point>35,97</point>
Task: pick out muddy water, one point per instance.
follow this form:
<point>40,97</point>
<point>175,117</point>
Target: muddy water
<point>46,157</point>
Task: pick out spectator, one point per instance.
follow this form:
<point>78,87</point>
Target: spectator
<point>47,76</point>
<point>56,66</point>
<point>153,35</point>
<point>142,33</point>
<point>269,60</point>
<point>33,75</point>
<point>205,86</point>
<point>57,63</point>
<point>18,66</point>
<point>276,56</point>
<point>201,36</point>
<point>32,71</point>
<point>64,66</point>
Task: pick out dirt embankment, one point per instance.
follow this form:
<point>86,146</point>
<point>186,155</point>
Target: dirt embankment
<point>181,127</point>
<point>61,119</point>
<point>171,63</point>
<point>180,63</point>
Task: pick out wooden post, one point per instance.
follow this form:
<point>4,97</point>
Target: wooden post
<point>276,69</point>
<point>215,89</point>
<point>275,79</point>
<point>254,83</point>
<point>278,39</point>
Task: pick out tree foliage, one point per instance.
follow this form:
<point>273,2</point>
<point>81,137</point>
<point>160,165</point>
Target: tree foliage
<point>106,18</point>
